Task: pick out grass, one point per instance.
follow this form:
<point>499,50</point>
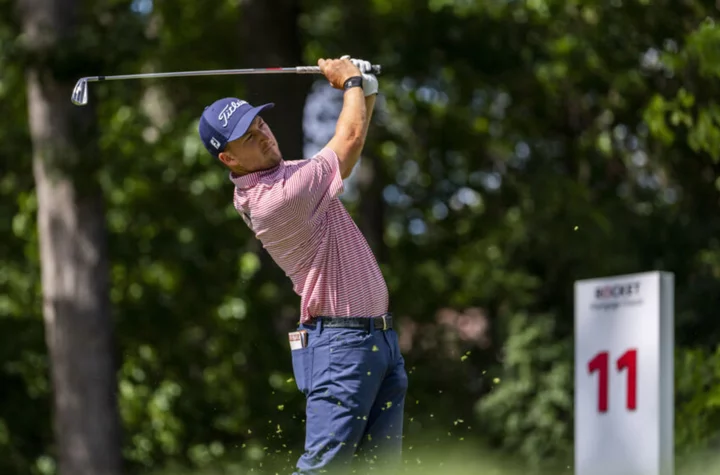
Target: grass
<point>447,461</point>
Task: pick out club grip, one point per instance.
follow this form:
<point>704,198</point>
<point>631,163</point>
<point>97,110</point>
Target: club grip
<point>375,69</point>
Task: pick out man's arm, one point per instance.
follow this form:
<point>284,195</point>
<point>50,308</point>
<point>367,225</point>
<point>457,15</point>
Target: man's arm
<point>351,129</point>
<point>352,125</point>
<point>369,108</point>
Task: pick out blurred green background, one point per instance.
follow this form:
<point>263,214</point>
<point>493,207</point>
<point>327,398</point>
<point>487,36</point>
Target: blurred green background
<point>517,146</point>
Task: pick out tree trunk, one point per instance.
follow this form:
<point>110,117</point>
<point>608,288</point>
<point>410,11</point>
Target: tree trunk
<point>271,38</point>
<point>371,215</point>
<point>73,253</point>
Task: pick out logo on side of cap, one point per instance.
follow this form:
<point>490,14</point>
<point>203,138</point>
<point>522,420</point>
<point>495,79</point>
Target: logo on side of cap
<point>229,110</point>
<point>214,142</point>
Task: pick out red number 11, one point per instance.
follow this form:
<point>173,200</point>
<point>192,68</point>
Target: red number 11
<point>627,361</point>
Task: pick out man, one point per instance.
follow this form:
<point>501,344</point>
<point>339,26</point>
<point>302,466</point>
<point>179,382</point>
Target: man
<point>345,353</point>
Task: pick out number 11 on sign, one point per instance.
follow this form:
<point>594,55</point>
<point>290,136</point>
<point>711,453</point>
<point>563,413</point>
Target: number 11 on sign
<point>600,364</point>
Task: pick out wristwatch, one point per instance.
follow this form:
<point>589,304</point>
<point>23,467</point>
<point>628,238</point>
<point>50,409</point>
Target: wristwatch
<point>355,81</point>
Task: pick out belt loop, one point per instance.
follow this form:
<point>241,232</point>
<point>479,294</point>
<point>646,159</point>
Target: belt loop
<point>384,319</point>
<point>320,325</point>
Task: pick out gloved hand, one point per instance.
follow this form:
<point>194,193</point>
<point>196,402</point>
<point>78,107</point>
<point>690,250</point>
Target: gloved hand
<point>370,82</point>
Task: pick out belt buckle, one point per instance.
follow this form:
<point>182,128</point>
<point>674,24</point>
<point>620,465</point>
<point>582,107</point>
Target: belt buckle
<point>384,319</point>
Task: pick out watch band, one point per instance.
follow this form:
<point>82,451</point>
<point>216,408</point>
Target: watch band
<point>355,81</point>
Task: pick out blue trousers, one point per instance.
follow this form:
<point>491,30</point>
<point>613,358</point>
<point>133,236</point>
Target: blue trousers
<point>355,383</point>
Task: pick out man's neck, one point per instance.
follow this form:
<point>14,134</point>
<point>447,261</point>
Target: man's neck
<point>238,172</point>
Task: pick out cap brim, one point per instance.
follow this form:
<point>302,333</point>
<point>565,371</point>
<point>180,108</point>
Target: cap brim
<point>244,124</point>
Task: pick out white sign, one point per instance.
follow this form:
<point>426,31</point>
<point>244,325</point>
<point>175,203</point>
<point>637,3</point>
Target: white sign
<point>624,339</point>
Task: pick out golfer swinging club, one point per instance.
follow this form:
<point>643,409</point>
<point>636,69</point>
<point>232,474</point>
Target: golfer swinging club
<point>345,353</point>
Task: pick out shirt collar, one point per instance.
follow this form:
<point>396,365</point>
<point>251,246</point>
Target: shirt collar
<point>252,179</point>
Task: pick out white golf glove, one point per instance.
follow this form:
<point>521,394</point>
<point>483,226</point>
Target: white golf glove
<point>370,82</point>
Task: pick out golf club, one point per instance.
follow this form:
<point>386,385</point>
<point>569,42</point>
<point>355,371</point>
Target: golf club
<point>80,91</point>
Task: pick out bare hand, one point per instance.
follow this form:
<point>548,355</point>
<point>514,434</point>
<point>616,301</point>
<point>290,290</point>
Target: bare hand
<point>337,71</point>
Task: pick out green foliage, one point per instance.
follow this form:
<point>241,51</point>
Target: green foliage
<point>697,396</point>
<point>694,111</point>
<point>529,409</point>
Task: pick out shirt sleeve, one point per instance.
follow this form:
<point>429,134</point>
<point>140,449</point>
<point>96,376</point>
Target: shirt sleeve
<point>310,185</point>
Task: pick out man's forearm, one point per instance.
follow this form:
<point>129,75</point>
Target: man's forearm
<point>350,130</point>
<point>359,141</point>
<point>353,116</point>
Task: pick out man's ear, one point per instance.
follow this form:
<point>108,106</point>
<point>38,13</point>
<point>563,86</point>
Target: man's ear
<point>225,157</point>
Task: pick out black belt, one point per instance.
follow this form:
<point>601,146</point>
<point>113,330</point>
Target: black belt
<point>383,322</point>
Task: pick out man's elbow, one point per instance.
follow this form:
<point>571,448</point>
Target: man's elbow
<point>350,157</point>
<point>346,171</point>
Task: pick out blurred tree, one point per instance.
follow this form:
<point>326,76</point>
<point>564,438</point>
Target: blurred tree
<point>269,35</point>
<point>76,307</point>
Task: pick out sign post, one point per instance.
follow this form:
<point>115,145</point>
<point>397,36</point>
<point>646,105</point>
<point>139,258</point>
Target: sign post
<point>624,378</point>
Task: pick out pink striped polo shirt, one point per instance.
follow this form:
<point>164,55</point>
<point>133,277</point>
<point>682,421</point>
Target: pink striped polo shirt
<point>295,212</point>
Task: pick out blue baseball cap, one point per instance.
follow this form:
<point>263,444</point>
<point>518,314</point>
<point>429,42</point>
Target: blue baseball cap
<point>226,120</point>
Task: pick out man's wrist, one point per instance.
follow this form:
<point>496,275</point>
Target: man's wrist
<point>354,81</point>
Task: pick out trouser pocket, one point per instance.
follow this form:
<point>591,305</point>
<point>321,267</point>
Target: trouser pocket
<point>302,361</point>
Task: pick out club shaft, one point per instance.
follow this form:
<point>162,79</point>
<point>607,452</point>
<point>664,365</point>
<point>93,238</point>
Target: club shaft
<point>217,72</point>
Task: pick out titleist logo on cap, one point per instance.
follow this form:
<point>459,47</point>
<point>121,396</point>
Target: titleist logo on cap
<point>228,111</point>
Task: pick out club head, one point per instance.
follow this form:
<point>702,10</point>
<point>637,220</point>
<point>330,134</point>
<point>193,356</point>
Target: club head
<point>80,93</point>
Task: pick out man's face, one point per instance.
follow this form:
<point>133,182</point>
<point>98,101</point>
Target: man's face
<point>256,150</point>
